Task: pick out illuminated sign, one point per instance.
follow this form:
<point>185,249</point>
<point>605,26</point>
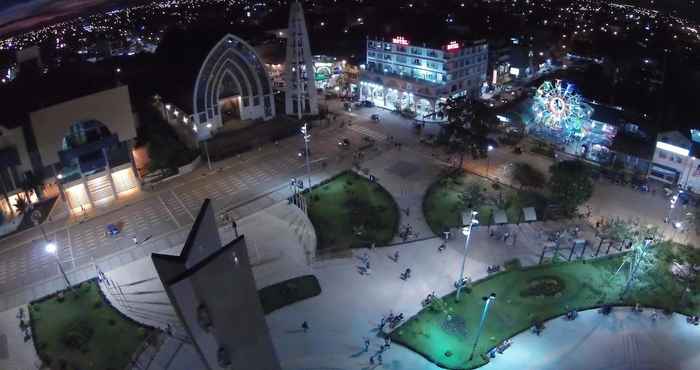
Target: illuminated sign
<point>672,148</point>
<point>515,71</point>
<point>495,77</point>
<point>454,45</point>
<point>399,40</point>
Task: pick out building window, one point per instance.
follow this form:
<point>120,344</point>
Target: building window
<point>416,61</point>
<point>416,51</point>
<point>400,59</point>
<point>387,56</point>
<point>387,47</point>
<point>432,54</point>
<point>371,54</point>
<point>401,49</point>
<point>370,44</point>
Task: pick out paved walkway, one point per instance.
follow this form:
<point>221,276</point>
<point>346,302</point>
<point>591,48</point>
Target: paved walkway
<point>15,353</point>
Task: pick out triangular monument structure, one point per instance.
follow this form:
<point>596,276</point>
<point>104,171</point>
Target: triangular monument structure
<point>299,73</point>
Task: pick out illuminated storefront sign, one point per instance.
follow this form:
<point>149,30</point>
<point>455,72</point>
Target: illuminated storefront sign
<point>672,148</point>
<point>454,45</point>
<point>399,40</point>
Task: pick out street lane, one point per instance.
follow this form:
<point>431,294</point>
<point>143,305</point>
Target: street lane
<point>24,261</point>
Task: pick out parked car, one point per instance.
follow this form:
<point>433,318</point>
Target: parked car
<point>112,230</point>
<point>343,142</point>
<point>375,117</point>
<point>367,103</point>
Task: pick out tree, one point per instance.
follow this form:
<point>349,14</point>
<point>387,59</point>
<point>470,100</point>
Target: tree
<point>21,205</point>
<point>465,128</point>
<point>570,184</point>
<point>31,184</point>
<point>528,176</point>
<point>472,197</point>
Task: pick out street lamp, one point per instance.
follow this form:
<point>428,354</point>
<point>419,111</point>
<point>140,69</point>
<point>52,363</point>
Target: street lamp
<point>52,249</point>
<point>467,231</point>
<point>307,139</point>
<point>484,314</point>
<point>674,200</point>
<point>488,159</point>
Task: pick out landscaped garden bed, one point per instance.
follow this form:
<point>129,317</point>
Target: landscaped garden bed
<point>80,330</point>
<point>350,211</point>
<point>447,198</point>
<point>445,331</point>
<point>290,291</point>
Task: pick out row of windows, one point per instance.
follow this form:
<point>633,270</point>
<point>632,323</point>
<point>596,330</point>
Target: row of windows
<point>404,60</point>
<point>432,53</point>
<point>433,65</point>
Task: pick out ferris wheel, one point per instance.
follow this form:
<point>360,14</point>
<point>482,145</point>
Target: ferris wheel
<point>558,107</point>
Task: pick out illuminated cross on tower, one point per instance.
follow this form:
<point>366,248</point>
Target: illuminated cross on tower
<point>299,73</point>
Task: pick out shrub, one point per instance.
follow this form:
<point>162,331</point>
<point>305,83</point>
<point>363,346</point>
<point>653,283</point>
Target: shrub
<point>512,264</point>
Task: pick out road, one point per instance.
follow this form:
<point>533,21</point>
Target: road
<point>172,207</point>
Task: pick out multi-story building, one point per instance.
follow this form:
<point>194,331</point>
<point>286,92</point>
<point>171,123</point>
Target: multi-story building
<point>675,160</point>
<point>410,76</point>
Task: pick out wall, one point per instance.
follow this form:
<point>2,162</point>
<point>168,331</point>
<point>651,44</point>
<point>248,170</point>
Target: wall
<point>111,107</point>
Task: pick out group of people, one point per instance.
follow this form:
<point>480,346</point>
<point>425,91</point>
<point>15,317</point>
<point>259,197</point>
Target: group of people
<point>376,358</point>
<point>364,268</point>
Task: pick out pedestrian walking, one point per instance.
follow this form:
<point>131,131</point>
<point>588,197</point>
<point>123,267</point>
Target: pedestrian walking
<point>379,359</point>
<point>367,343</point>
<point>396,256</point>
<point>367,265</point>
<point>169,330</point>
<point>387,341</point>
<point>234,226</point>
<point>136,241</point>
<point>305,326</point>
<point>371,360</point>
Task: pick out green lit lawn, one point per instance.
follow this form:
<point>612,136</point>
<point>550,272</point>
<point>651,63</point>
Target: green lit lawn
<point>350,204</point>
<point>443,203</point>
<point>585,285</point>
<point>81,335</point>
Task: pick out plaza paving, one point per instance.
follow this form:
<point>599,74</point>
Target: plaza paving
<point>351,304</point>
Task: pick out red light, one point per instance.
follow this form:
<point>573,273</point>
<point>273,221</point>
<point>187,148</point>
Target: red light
<point>454,45</point>
<point>399,40</point>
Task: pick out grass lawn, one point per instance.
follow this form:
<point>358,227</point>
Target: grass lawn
<point>540,293</point>
<point>445,201</point>
<point>349,211</point>
<point>290,291</point>
<point>84,332</point>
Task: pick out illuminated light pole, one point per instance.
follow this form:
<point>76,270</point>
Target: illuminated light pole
<point>307,139</point>
<point>52,249</point>
<point>488,159</point>
<point>674,200</point>
<point>484,314</point>
<point>466,231</point>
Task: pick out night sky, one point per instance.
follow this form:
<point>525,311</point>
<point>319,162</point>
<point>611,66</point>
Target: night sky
<point>17,15</point>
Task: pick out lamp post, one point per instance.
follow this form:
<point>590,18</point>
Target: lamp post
<point>484,314</point>
<point>52,249</point>
<point>467,231</point>
<point>307,139</point>
<point>674,200</point>
<point>488,159</point>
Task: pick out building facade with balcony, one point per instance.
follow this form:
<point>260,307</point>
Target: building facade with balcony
<point>400,75</point>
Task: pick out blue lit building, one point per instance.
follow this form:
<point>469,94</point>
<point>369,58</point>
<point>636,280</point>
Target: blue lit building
<point>401,75</point>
